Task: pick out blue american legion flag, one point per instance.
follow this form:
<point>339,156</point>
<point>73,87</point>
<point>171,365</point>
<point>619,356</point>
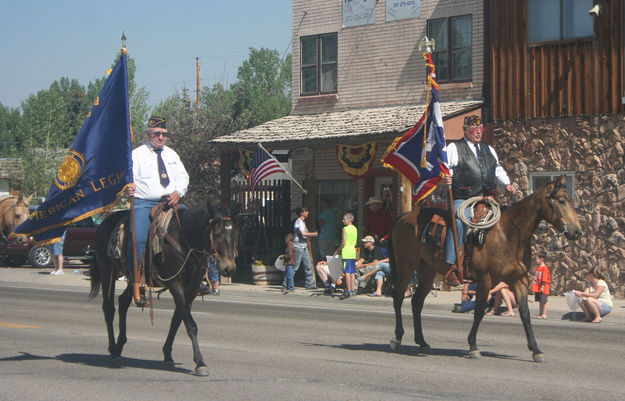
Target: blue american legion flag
<point>406,154</point>
<point>97,168</point>
<point>262,164</point>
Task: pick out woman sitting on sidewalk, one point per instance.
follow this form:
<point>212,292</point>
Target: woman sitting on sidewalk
<point>596,299</point>
<point>502,293</point>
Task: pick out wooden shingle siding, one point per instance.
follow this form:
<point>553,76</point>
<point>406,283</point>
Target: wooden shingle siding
<point>565,78</point>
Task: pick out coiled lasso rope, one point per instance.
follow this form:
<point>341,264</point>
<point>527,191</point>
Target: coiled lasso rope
<point>490,218</point>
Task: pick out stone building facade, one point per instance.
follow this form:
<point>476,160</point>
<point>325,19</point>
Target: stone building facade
<point>592,147</point>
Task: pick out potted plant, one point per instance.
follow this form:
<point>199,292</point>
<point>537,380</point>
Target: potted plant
<point>264,272</point>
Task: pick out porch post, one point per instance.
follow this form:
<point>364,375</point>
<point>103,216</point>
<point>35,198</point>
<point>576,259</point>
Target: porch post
<point>224,178</point>
<point>406,194</point>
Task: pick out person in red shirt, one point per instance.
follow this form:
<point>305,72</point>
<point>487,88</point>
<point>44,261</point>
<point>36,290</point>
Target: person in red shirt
<point>378,220</point>
<point>541,286</point>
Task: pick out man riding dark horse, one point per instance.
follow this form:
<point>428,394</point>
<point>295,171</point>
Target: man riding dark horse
<point>158,173</point>
<point>475,171</point>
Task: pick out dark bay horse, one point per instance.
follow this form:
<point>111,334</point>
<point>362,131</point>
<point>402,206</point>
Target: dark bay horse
<point>190,241</point>
<point>504,256</point>
<point>13,212</point>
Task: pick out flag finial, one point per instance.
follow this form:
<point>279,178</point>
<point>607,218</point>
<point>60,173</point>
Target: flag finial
<point>123,40</point>
<point>427,44</point>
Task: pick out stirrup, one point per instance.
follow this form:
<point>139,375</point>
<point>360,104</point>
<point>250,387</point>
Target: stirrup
<point>143,300</point>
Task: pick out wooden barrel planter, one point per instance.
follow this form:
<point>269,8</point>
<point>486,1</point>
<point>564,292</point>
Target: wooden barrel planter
<point>266,275</point>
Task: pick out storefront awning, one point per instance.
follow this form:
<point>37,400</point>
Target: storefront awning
<point>346,127</point>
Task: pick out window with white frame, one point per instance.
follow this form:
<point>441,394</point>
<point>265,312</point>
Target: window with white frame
<point>542,178</point>
<point>453,50</point>
<point>553,20</point>
<point>319,67</point>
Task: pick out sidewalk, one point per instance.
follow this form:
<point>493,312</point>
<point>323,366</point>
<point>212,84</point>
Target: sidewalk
<point>76,278</point>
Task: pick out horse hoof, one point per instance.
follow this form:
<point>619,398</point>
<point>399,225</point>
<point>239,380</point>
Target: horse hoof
<point>201,371</point>
<point>395,344</point>
<point>425,349</point>
<point>475,354</point>
<point>169,364</point>
<point>116,361</point>
<point>540,357</point>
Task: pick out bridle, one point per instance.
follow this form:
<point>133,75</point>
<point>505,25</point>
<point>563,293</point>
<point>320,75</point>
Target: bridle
<point>555,211</point>
<point>211,253</point>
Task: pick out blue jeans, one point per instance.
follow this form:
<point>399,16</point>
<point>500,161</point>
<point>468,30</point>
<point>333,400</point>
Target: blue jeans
<point>467,305</point>
<point>288,278</point>
<point>142,226</point>
<point>450,248</point>
<point>302,256</point>
<point>213,272</point>
<point>384,270</point>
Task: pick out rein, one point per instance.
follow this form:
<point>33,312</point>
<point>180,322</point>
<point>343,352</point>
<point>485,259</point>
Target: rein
<point>179,248</point>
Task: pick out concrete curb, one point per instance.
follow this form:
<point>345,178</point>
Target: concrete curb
<point>76,278</point>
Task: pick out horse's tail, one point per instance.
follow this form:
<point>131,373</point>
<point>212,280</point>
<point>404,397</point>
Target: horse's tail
<point>94,273</point>
<point>391,259</point>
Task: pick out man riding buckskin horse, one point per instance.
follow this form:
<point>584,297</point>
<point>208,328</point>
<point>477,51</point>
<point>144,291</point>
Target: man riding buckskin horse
<point>158,172</point>
<point>475,171</point>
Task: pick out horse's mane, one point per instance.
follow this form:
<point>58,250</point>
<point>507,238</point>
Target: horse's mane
<point>196,220</point>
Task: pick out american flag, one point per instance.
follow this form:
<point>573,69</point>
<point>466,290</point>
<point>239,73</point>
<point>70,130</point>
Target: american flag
<point>262,164</point>
<point>406,154</point>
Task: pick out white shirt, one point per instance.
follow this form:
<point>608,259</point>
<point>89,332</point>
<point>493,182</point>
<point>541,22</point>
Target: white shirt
<point>145,171</point>
<point>299,240</point>
<point>452,161</point>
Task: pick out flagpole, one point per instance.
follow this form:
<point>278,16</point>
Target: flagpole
<point>285,170</point>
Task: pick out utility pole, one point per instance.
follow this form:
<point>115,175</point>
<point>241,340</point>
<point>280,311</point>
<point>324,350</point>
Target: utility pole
<point>197,65</point>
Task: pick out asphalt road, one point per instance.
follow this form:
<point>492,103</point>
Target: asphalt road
<point>272,347</point>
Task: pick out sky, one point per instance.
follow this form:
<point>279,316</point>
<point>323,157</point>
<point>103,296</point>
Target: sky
<point>44,40</point>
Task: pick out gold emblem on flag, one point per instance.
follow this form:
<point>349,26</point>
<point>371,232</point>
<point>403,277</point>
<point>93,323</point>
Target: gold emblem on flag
<point>70,171</point>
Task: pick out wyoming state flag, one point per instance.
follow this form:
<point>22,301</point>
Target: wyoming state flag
<point>424,167</point>
<point>97,167</point>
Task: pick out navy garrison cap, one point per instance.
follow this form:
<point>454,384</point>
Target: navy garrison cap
<point>157,122</point>
<point>472,120</point>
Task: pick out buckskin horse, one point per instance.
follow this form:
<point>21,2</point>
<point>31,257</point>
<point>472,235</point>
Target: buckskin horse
<point>191,238</point>
<point>504,256</point>
<point>13,212</point>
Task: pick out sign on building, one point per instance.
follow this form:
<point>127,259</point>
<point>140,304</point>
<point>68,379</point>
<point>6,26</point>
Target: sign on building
<point>358,12</point>
<point>405,9</point>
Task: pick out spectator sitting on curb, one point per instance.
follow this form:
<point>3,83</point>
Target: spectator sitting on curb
<point>324,273</point>
<point>467,303</point>
<point>369,258</point>
<point>381,270</point>
<point>596,299</point>
<point>502,292</point>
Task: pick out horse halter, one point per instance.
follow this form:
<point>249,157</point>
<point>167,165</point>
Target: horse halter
<point>213,252</point>
<point>556,211</point>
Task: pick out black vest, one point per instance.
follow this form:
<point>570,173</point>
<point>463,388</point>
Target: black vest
<point>472,178</point>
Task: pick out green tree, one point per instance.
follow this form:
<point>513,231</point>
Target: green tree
<point>264,86</point>
<point>193,129</point>
<point>9,119</point>
<point>51,120</point>
<point>262,93</point>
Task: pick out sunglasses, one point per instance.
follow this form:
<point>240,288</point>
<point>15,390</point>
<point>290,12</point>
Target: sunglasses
<point>160,133</point>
